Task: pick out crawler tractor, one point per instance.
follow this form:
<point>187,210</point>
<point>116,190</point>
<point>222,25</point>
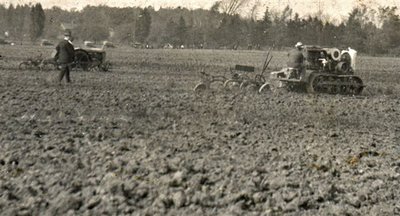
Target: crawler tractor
<point>326,70</point>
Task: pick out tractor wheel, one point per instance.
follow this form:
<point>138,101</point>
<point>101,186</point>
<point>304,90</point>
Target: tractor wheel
<point>356,86</point>
<point>105,67</point>
<point>322,84</point>
<point>314,84</point>
<point>82,60</point>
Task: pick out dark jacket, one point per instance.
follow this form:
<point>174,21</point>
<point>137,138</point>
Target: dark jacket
<point>65,52</point>
<point>296,59</point>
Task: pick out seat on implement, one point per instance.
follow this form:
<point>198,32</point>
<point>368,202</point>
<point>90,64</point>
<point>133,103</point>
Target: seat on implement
<point>244,68</point>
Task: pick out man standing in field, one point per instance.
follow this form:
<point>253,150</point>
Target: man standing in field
<point>65,55</point>
<point>296,58</point>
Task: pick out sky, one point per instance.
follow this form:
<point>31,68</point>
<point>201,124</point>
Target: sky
<point>335,9</point>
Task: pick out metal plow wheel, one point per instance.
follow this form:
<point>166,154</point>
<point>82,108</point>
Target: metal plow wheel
<point>203,86</point>
<point>273,86</point>
<point>209,82</point>
<point>24,66</point>
<point>200,87</point>
<point>48,64</point>
<point>249,86</point>
<point>266,87</point>
<point>232,84</point>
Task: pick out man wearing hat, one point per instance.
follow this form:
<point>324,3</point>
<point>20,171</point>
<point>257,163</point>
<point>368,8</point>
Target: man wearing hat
<point>296,58</point>
<point>65,55</point>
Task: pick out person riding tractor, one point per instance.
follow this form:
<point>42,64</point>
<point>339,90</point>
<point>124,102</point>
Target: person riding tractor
<point>296,60</point>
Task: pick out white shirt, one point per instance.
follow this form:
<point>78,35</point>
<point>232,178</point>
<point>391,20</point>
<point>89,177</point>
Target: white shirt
<point>69,41</point>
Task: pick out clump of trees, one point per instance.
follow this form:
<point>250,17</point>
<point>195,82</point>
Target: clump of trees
<point>143,24</point>
<point>37,20</point>
<point>373,31</point>
<point>23,22</point>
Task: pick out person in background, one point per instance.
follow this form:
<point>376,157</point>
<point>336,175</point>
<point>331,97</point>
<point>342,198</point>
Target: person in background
<point>65,56</point>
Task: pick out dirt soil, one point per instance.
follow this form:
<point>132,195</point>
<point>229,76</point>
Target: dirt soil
<point>142,143</point>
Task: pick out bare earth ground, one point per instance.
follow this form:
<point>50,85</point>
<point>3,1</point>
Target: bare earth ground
<point>139,141</point>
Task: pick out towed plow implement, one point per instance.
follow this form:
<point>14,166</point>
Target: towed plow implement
<point>241,77</point>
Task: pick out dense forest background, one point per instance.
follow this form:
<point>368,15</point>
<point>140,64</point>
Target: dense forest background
<point>371,31</point>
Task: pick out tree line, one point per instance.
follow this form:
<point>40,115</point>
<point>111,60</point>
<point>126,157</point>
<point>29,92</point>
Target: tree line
<point>372,31</point>
<point>23,21</point>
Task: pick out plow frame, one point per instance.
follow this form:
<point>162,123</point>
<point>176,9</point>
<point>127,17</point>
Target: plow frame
<point>240,75</point>
<point>207,80</point>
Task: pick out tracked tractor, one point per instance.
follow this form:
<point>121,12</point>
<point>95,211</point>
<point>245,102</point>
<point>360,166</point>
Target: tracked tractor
<point>326,70</point>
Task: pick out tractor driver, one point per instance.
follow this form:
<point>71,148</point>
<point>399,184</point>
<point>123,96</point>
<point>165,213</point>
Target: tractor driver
<point>65,56</point>
<point>296,59</point>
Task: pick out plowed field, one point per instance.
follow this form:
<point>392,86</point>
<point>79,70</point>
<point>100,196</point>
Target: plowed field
<point>138,141</point>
